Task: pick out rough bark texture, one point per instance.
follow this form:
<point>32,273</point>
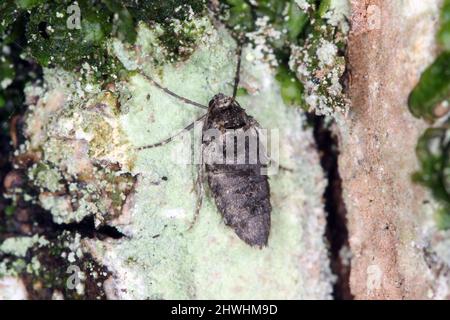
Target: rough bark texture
<point>390,43</point>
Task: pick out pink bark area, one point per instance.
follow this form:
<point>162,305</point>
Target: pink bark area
<point>390,44</point>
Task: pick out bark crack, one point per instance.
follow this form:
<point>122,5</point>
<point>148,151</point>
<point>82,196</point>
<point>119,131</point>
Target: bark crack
<point>336,231</point>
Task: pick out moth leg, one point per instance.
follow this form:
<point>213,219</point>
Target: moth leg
<point>198,189</point>
<point>238,68</point>
<point>166,141</point>
<point>173,94</point>
<point>199,193</point>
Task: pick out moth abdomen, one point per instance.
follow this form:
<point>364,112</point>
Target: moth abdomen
<point>244,202</point>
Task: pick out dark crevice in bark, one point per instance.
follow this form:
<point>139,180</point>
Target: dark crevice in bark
<point>336,233</point>
<point>31,219</point>
<point>86,228</point>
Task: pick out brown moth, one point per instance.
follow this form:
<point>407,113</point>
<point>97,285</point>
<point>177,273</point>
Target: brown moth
<point>240,190</point>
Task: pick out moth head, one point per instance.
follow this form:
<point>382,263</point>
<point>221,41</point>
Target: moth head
<point>220,101</point>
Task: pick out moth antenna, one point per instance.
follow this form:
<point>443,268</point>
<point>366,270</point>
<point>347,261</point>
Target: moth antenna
<point>238,67</point>
<point>166,141</point>
<point>173,94</point>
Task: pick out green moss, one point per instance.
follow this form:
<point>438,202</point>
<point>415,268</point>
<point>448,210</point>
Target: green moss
<point>433,88</point>
<point>54,38</point>
<point>240,15</point>
<point>323,8</point>
<point>429,100</point>
<point>434,85</point>
<point>163,11</point>
<point>433,153</point>
<point>442,217</point>
<point>444,33</point>
<point>14,70</point>
<point>241,92</point>
<point>430,153</point>
<point>291,88</point>
<point>51,42</point>
<point>125,25</point>
<point>8,15</point>
<point>28,4</point>
<point>9,211</point>
<point>179,38</point>
<point>296,22</point>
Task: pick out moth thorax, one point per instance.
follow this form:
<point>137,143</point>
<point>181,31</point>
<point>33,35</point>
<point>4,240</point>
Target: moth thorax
<point>220,101</point>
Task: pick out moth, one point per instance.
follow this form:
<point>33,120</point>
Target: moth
<point>240,191</point>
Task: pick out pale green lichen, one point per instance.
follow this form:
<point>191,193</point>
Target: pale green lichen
<point>34,266</point>
<point>12,268</point>
<point>83,148</point>
<point>338,14</point>
<point>18,246</point>
<point>45,177</point>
